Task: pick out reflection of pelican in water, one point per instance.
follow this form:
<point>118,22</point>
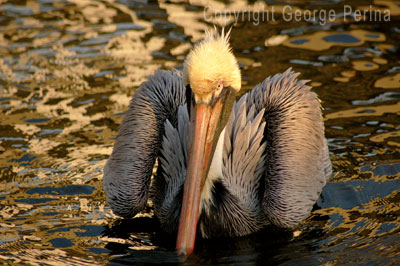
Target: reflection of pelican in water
<point>225,168</point>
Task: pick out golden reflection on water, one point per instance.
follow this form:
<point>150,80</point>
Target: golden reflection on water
<point>389,82</point>
<point>67,73</point>
<point>361,111</point>
<point>317,41</point>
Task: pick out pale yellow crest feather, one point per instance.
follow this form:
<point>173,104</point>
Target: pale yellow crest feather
<point>210,62</point>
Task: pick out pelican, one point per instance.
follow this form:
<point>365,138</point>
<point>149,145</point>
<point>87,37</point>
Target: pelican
<point>225,168</point>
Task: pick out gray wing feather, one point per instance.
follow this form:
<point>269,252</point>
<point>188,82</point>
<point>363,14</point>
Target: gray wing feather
<point>171,173</point>
<point>235,208</point>
<point>297,158</point>
<point>129,168</point>
<point>243,154</point>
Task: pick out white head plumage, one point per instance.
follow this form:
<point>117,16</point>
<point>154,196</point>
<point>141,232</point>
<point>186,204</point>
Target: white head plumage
<point>210,63</point>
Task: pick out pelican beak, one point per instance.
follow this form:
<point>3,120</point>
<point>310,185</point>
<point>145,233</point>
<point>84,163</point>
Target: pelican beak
<point>206,123</point>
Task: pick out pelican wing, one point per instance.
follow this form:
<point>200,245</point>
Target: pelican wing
<point>167,187</point>
<point>129,168</point>
<point>297,163</point>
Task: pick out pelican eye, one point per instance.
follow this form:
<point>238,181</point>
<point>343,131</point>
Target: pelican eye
<point>220,86</point>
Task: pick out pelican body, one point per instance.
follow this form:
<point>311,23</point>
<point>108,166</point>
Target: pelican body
<point>225,168</point>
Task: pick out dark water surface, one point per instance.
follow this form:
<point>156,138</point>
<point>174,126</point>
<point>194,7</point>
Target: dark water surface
<point>68,70</point>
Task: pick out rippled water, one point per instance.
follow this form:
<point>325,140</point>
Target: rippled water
<point>69,68</point>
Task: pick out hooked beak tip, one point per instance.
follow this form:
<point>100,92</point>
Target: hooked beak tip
<point>183,253</point>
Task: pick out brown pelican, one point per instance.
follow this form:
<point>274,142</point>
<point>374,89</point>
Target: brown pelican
<point>225,168</point>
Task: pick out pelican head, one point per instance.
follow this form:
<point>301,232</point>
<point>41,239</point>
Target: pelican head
<point>212,77</point>
<point>210,66</point>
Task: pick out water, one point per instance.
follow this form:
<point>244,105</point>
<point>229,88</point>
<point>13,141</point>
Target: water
<point>69,68</point>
